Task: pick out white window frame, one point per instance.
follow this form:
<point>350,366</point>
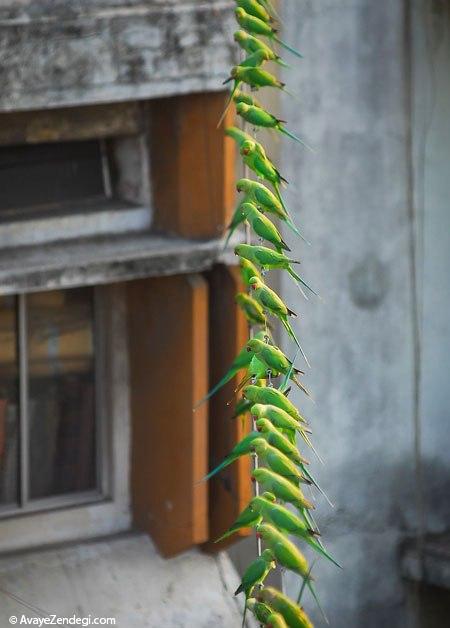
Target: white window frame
<point>105,511</point>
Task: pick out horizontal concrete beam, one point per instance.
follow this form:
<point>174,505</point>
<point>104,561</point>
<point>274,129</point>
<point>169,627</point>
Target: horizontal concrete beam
<point>106,260</point>
<point>110,51</point>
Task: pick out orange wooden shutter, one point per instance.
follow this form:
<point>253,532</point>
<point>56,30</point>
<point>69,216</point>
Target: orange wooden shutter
<point>168,335</point>
<point>192,165</point>
<point>229,491</point>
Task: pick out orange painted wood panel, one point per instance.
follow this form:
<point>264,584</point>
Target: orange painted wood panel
<point>168,339</point>
<point>230,490</point>
<point>192,165</point>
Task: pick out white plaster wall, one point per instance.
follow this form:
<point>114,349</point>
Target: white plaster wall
<point>352,198</point>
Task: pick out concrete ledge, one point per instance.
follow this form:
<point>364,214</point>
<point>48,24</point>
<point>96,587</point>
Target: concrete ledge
<point>68,53</point>
<point>124,578</point>
<point>106,260</point>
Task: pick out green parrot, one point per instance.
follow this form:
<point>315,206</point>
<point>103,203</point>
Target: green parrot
<point>281,488</point>
<point>277,439</point>
<point>242,448</point>
<point>249,72</point>
<point>263,226</point>
<point>270,302</point>
<point>269,259</point>
<point>256,573</point>
<point>237,134</point>
<point>260,610</point>
<point>246,98</point>
<point>251,308</point>
<point>253,7</point>
<point>257,370</point>
<point>277,461</point>
<point>257,116</point>
<point>255,60</point>
<point>256,160</point>
<point>241,361</point>
<point>276,620</point>
<point>280,418</point>
<point>251,44</point>
<point>248,518</point>
<point>272,396</point>
<point>275,359</point>
<point>287,554</point>
<point>283,519</point>
<point>294,616</point>
<point>254,76</point>
<point>265,199</point>
<point>248,270</point>
<point>283,421</point>
<point>255,26</point>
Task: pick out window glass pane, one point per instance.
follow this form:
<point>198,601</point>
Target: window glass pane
<point>55,173</point>
<point>9,402</point>
<point>61,392</point>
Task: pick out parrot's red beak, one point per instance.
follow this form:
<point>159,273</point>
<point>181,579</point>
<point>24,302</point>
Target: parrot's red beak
<point>258,535</point>
<point>245,151</point>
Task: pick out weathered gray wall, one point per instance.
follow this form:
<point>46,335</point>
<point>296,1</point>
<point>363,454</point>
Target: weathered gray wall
<point>353,198</point>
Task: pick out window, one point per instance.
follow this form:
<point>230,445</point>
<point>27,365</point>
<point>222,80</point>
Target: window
<point>50,415</point>
<point>54,173</point>
<point>77,345</point>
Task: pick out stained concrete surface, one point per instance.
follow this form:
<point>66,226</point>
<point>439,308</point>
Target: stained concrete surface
<point>124,578</point>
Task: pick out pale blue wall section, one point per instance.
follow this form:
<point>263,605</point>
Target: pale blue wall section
<point>432,195</point>
<point>353,198</point>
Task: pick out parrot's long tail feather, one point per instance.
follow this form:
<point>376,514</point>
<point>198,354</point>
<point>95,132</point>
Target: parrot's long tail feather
<point>285,45</point>
<point>221,466</point>
<point>300,280</point>
<point>310,586</point>
<point>302,588</point>
<point>316,546</point>
<point>229,101</point>
<point>291,333</point>
<point>284,130</point>
<point>244,614</point>
<point>225,379</point>
<point>282,63</point>
<point>288,375</point>
<point>293,228</point>
<point>278,195</point>
<point>269,6</point>
<point>309,443</point>
<point>314,482</point>
<point>298,383</point>
<point>225,535</point>
<point>242,383</point>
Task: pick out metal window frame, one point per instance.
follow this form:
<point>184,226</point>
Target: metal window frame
<point>102,432</point>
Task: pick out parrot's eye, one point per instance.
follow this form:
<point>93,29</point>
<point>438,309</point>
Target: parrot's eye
<point>245,151</point>
<point>249,349</point>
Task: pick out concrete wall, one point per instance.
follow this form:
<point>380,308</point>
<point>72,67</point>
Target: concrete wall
<point>353,199</point>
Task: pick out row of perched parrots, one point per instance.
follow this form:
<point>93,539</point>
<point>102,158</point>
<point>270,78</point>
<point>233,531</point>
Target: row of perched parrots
<point>282,471</point>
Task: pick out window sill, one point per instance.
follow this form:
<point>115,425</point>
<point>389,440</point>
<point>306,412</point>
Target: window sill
<point>106,260</point>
